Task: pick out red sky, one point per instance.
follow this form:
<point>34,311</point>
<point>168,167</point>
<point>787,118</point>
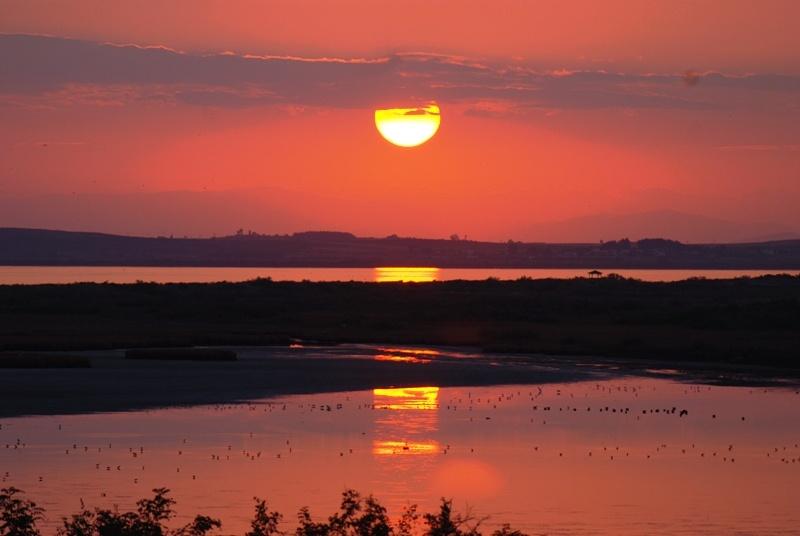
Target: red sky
<point>551,111</point>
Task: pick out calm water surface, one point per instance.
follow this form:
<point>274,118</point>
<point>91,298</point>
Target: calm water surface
<point>32,275</point>
<point>611,457</point>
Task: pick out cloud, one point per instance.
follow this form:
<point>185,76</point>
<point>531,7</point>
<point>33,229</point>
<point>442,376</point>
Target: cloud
<point>791,147</point>
<point>59,68</point>
<point>691,78</point>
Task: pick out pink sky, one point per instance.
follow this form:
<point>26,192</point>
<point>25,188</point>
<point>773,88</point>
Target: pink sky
<point>551,111</point>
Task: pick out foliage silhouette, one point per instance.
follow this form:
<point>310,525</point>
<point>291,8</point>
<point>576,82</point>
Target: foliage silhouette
<point>446,523</point>
<point>506,530</point>
<point>148,520</point>
<point>357,516</point>
<point>18,516</point>
<point>264,523</point>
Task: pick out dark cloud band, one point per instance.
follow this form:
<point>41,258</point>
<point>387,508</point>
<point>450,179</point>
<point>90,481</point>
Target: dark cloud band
<point>38,65</point>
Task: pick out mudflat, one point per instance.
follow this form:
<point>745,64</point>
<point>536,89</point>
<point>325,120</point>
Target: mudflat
<point>114,383</point>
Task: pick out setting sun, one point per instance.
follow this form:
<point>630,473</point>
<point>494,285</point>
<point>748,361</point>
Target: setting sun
<point>408,127</point>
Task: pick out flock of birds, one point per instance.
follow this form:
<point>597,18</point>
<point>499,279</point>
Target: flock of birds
<point>559,406</point>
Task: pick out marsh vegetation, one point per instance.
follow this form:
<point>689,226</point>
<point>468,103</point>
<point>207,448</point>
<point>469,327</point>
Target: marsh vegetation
<point>746,320</point>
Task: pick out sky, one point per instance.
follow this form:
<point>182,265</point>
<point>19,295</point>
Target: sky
<point>560,121</point>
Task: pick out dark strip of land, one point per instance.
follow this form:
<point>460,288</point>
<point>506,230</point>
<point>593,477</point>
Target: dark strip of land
<point>747,321</point>
<point>329,249</point>
<point>732,331</point>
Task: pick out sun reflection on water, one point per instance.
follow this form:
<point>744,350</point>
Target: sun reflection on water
<point>406,274</point>
<point>406,355</point>
<point>401,358</point>
<point>412,351</point>
<point>405,398</point>
<point>405,429</point>
<point>385,448</point>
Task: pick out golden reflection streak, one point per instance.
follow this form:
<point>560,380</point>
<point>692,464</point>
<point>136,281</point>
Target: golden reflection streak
<point>403,399</point>
<point>412,351</point>
<point>425,398</point>
<point>401,359</point>
<point>406,274</point>
<point>385,448</point>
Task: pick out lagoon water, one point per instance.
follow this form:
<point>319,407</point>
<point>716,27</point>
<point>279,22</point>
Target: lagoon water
<point>33,275</point>
<point>599,457</point>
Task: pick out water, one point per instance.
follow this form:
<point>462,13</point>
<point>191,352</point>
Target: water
<point>607,457</point>
<point>31,275</point>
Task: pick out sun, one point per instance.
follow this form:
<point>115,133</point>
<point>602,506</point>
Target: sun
<point>408,127</point>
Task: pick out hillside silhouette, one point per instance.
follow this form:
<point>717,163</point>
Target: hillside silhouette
<point>337,249</point>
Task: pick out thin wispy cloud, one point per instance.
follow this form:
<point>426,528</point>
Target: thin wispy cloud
<point>63,70</point>
<point>763,147</point>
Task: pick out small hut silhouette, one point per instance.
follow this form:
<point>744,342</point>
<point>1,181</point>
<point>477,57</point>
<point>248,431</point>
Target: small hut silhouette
<point>595,273</point>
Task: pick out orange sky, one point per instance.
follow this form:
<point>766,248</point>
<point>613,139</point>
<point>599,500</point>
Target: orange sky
<point>551,111</point>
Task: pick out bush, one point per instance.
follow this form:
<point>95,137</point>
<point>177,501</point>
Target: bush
<point>357,516</point>
<point>147,520</point>
<point>18,516</point>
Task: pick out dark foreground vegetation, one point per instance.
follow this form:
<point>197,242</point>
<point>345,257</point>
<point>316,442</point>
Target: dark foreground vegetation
<point>746,321</point>
<point>357,516</point>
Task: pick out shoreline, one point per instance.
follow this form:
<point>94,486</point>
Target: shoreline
<point>739,331</point>
<point>116,384</point>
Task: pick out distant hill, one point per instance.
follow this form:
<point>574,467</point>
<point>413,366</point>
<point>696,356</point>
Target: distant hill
<point>205,213</point>
<point>667,223</point>
<point>338,249</point>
